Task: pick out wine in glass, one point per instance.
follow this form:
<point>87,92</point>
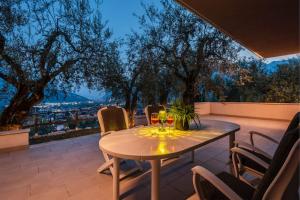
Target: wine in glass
<point>154,118</point>
<point>170,121</point>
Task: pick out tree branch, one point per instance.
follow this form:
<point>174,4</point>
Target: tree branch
<point>177,73</point>
<point>2,43</point>
<point>9,79</point>
<point>63,67</point>
<point>183,54</point>
<point>9,60</point>
<point>47,48</point>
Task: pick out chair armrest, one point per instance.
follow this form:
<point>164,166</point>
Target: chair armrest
<point>252,133</point>
<point>254,158</point>
<point>215,181</point>
<point>252,148</point>
<point>106,133</point>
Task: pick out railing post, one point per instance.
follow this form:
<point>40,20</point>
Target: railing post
<point>76,119</point>
<point>35,124</point>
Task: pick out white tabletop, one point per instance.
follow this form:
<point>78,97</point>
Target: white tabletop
<point>148,143</point>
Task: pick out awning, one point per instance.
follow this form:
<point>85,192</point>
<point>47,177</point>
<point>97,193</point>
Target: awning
<point>268,28</point>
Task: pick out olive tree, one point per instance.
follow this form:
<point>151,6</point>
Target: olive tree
<point>191,48</point>
<point>47,44</point>
<point>122,79</point>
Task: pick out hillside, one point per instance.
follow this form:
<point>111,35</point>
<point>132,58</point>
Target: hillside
<point>273,66</point>
<point>62,97</point>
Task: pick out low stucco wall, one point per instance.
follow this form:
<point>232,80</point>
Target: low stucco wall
<point>17,139</point>
<point>279,111</point>
<point>202,108</point>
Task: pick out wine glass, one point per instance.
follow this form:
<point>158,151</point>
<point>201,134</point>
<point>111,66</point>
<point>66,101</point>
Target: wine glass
<point>162,116</point>
<point>170,120</point>
<point>154,118</point>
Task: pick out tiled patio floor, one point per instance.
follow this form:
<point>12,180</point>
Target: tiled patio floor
<point>66,169</point>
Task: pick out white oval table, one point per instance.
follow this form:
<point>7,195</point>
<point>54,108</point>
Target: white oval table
<point>148,143</point>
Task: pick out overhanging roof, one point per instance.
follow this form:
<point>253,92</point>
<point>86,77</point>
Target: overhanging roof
<point>268,28</point>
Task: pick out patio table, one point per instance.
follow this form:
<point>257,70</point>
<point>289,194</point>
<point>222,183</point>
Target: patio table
<point>148,143</point>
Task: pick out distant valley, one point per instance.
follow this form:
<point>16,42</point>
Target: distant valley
<point>60,97</point>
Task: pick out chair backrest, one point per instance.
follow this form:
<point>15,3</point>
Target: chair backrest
<point>152,109</point>
<point>112,118</point>
<point>280,157</point>
<point>294,122</point>
<point>285,184</point>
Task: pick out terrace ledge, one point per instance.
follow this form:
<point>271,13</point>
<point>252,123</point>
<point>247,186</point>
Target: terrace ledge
<point>14,140</point>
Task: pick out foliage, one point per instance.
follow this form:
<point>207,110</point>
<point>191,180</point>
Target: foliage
<point>182,112</point>
<point>248,83</point>
<point>174,53</point>
<point>284,84</point>
<point>123,77</point>
<point>187,46</point>
<point>56,44</point>
<point>259,85</point>
<point>48,44</point>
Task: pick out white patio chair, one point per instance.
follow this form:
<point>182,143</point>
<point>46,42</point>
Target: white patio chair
<point>113,119</point>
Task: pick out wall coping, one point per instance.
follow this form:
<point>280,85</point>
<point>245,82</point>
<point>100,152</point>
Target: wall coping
<point>260,110</point>
<point>14,132</point>
<point>263,103</point>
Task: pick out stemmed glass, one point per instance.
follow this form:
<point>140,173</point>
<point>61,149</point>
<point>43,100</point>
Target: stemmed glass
<point>162,116</point>
<point>154,118</point>
<point>170,121</point>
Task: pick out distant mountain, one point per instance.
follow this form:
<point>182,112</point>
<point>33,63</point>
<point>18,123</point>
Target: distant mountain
<point>273,66</point>
<point>64,97</point>
<point>59,98</point>
<point>95,95</point>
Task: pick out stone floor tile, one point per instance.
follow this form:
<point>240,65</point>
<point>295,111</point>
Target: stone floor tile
<point>67,169</point>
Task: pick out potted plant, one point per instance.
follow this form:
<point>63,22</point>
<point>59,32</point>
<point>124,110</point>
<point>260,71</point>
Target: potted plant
<point>182,114</point>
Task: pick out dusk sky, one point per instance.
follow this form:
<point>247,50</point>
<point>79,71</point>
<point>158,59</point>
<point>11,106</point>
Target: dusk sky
<point>120,18</point>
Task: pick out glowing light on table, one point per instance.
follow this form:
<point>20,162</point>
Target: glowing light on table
<point>162,149</point>
<point>154,132</point>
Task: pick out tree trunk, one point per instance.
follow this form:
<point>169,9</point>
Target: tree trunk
<point>163,97</point>
<point>149,100</point>
<point>20,106</point>
<point>189,93</point>
<point>130,107</point>
<point>127,106</point>
<point>133,107</point>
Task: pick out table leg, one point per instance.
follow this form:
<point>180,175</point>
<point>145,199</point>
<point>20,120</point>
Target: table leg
<point>116,178</point>
<point>192,156</point>
<point>155,182</point>
<point>231,142</point>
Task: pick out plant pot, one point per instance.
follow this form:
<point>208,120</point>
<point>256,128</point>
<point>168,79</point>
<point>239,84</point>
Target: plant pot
<point>181,125</point>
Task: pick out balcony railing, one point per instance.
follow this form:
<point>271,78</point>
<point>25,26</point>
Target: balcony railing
<point>46,126</point>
